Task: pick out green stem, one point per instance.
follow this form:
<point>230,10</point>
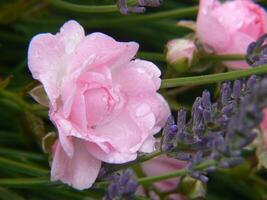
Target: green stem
<point>205,57</point>
<point>230,57</point>
<point>84,8</point>
<point>7,152</point>
<point>22,167</point>
<point>180,172</point>
<point>113,168</point>
<point>22,182</point>
<point>177,13</point>
<point>213,78</point>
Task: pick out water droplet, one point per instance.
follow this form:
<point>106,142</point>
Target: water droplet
<point>142,110</point>
<point>140,70</point>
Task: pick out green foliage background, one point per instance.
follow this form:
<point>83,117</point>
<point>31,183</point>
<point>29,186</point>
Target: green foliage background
<point>24,167</point>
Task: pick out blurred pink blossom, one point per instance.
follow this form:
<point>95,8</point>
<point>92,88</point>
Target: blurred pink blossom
<point>229,27</point>
<point>162,165</point>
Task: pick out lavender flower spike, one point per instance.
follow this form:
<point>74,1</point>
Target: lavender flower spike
<point>139,8</point>
<point>122,187</point>
<point>150,3</point>
<point>257,52</point>
<point>218,130</point>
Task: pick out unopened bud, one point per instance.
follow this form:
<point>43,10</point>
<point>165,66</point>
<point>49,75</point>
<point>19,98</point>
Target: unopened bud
<point>181,54</point>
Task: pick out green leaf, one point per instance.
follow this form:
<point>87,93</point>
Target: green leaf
<point>48,141</point>
<point>23,168</point>
<point>5,83</point>
<point>9,195</point>
<point>36,125</point>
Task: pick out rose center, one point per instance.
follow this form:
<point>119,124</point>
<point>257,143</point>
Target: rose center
<point>99,104</point>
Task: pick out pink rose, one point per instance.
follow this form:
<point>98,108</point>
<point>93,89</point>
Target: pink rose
<point>229,27</point>
<point>162,165</point>
<point>103,103</point>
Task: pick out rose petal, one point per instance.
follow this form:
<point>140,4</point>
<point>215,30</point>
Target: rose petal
<point>47,57</point>
<point>138,77</point>
<point>80,171</point>
<point>163,165</point>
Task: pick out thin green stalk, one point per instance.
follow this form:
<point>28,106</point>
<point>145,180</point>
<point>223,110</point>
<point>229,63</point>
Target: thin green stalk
<point>22,167</point>
<point>207,57</point>
<point>177,13</point>
<point>23,182</point>
<point>212,78</point>
<point>180,172</point>
<point>140,159</point>
<point>7,152</point>
<point>230,57</point>
<point>84,8</point>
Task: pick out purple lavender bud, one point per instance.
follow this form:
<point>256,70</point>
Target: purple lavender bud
<point>197,115</point>
<point>122,186</point>
<point>173,128</point>
<point>206,102</point>
<point>102,173</point>
<point>225,93</point>
<point>223,120</point>
<point>256,52</point>
<point>150,3</point>
<point>170,128</point>
<point>251,47</point>
<point>168,147</point>
<point>197,106</point>
<point>183,156</point>
<point>136,9</point>
<point>207,115</point>
<point>124,9</point>
<point>126,177</point>
<point>211,169</point>
<point>228,109</point>
<point>251,82</point>
<point>131,187</point>
<point>224,164</point>
<point>199,176</point>
<point>113,190</point>
<point>198,157</point>
<point>181,118</point>
<point>203,178</point>
<point>237,88</point>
